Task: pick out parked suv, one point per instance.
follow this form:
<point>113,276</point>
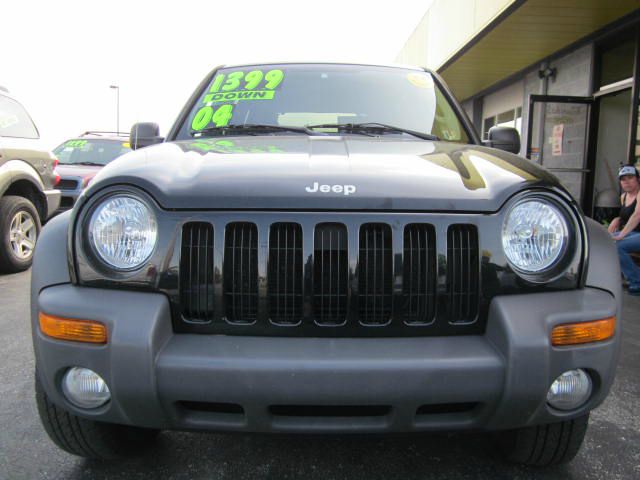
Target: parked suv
<point>324,248</point>
<point>82,158</point>
<point>27,185</point>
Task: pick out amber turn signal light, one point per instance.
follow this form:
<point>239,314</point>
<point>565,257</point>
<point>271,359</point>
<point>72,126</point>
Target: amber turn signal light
<point>583,332</point>
<point>88,331</point>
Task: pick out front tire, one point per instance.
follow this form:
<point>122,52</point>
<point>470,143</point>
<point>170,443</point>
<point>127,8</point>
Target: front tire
<point>544,445</point>
<point>88,438</point>
<point>19,231</point>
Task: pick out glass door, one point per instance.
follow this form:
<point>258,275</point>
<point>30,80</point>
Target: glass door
<point>611,152</point>
<point>558,137</point>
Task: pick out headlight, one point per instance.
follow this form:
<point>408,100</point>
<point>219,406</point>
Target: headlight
<point>570,390</point>
<point>123,232</point>
<point>85,388</point>
<point>535,235</point>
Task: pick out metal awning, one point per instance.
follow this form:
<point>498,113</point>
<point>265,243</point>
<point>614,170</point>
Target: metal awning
<point>524,33</point>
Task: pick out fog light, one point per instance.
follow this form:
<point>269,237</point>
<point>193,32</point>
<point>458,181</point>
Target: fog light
<point>85,388</point>
<point>570,390</point>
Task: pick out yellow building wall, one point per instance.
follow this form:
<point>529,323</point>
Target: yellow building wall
<point>446,27</point>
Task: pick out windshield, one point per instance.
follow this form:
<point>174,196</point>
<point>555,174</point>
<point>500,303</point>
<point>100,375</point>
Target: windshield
<point>14,120</point>
<point>307,95</point>
<point>90,152</point>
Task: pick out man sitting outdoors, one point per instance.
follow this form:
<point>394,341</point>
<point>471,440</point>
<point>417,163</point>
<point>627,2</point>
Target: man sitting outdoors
<point>625,228</point>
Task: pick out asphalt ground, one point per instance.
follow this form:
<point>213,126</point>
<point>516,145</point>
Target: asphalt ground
<point>611,449</point>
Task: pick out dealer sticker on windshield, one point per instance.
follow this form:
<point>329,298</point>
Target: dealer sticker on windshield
<point>421,80</point>
<point>235,87</point>
<point>75,143</point>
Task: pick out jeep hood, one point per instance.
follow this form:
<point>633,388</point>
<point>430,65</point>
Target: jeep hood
<point>276,172</point>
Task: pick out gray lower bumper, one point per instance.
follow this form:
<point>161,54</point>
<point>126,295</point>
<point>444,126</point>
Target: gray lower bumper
<point>179,381</point>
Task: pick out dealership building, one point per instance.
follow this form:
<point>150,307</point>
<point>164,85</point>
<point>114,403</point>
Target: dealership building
<point>565,73</point>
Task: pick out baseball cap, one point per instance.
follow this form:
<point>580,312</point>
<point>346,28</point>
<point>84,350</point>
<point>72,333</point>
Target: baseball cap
<point>628,170</point>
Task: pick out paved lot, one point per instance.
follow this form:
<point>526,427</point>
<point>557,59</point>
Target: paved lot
<point>611,451</point>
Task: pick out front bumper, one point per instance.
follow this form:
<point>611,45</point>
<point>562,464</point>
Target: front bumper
<point>68,199</point>
<point>159,379</point>
<point>53,201</point>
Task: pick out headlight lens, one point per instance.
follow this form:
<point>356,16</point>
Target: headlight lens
<point>535,234</point>
<point>123,232</point>
<point>570,390</point>
<point>85,388</point>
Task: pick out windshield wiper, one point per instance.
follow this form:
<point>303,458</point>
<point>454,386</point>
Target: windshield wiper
<point>373,127</point>
<point>86,163</point>
<point>251,128</point>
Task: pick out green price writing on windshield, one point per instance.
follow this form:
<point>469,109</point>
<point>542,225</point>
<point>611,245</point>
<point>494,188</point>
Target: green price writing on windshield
<point>220,117</point>
<point>233,81</point>
<point>251,80</point>
<point>75,143</point>
<point>273,78</point>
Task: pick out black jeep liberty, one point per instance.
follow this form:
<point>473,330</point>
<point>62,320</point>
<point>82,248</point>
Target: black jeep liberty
<point>324,248</point>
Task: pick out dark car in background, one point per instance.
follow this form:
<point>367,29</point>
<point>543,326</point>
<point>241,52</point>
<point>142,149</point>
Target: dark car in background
<point>82,158</point>
<point>28,194</point>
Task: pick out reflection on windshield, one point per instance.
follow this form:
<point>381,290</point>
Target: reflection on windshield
<point>227,146</point>
<point>90,152</point>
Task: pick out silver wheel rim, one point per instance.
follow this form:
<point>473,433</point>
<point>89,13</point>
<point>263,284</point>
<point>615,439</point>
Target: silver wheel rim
<point>22,235</point>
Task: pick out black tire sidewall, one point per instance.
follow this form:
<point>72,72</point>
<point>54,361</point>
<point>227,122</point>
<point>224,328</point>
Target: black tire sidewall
<point>9,207</point>
<point>89,438</point>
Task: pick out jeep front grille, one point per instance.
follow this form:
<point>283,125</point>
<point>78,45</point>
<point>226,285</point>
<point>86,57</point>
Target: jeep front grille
<point>360,277</point>
<point>285,274</point>
<point>462,273</point>
<point>375,278</point>
<point>241,273</point>
<point>196,272</point>
<point>330,274</point>
<point>420,275</point>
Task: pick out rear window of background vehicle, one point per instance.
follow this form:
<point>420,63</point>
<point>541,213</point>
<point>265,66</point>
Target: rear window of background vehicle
<point>15,121</point>
<point>90,152</point>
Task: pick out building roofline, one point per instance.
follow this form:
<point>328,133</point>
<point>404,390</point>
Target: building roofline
<point>621,24</point>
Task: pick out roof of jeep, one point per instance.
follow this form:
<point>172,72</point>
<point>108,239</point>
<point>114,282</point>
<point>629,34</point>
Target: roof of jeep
<point>7,93</point>
<point>390,65</point>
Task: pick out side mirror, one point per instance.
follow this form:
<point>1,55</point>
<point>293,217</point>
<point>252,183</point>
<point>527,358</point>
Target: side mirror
<point>504,138</point>
<point>144,134</point>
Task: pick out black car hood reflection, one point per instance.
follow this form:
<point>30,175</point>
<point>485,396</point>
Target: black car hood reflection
<point>285,172</point>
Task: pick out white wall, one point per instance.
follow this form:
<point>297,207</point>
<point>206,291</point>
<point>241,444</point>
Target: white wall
<point>446,27</point>
<point>507,98</point>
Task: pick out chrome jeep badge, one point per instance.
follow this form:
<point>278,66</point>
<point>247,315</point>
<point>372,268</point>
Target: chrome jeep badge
<point>344,189</point>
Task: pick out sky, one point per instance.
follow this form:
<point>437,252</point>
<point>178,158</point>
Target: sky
<point>60,57</point>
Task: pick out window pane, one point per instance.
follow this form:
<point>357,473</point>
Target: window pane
<point>488,123</point>
<point>506,117</point>
<point>519,120</point>
<point>14,120</point>
<point>617,63</point>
